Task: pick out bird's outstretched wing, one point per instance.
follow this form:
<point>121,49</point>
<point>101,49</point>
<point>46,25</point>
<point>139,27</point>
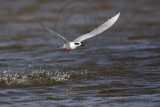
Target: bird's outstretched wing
<point>99,29</point>
<point>65,41</point>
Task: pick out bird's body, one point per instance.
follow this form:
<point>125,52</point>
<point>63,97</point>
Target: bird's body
<point>70,46</point>
<point>77,42</point>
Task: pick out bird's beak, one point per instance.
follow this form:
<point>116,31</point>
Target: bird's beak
<point>82,45</point>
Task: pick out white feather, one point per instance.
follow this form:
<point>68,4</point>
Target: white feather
<point>99,29</point>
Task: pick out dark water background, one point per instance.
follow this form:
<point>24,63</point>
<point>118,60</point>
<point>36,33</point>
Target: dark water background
<point>119,68</point>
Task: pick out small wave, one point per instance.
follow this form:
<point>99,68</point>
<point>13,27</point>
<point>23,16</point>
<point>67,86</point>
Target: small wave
<point>38,78</point>
<point>33,79</point>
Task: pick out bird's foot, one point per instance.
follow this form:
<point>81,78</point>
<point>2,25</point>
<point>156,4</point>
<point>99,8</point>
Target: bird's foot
<point>66,51</point>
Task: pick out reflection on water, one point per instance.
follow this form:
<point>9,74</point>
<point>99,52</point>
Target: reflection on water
<point>118,68</point>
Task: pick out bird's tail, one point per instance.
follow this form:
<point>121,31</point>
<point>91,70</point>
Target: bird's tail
<point>61,48</point>
<point>58,49</point>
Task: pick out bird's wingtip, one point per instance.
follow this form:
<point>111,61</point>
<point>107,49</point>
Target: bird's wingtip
<point>118,14</point>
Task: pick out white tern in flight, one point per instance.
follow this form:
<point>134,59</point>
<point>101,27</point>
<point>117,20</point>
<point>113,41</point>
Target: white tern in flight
<point>77,42</point>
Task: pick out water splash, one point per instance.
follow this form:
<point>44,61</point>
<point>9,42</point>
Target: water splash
<point>35,78</point>
<point>32,79</point>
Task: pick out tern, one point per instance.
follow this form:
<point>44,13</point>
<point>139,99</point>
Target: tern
<point>67,46</point>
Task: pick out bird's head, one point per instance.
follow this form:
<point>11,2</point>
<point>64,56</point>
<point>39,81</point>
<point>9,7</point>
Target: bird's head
<point>78,44</point>
<point>74,45</point>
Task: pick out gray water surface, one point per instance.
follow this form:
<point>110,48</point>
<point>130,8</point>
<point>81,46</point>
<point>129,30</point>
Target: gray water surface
<point>118,68</point>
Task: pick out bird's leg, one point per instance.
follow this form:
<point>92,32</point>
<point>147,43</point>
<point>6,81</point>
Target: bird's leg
<point>66,51</point>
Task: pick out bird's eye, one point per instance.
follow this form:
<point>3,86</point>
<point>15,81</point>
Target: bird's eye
<point>76,43</point>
